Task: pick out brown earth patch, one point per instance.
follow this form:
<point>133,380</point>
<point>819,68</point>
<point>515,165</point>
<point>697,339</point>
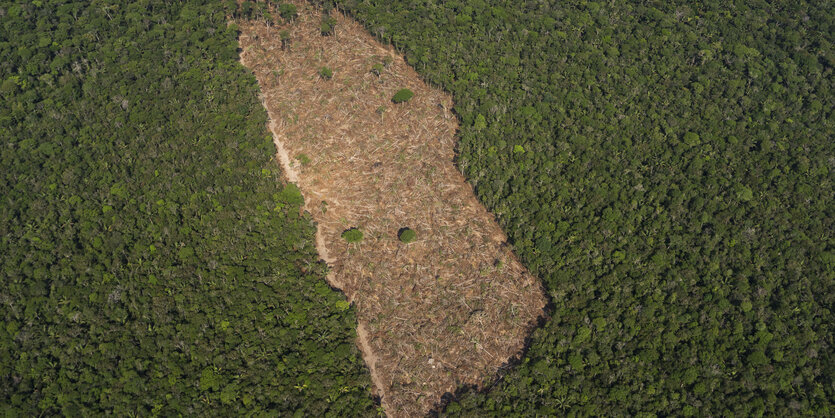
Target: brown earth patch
<point>446,310</point>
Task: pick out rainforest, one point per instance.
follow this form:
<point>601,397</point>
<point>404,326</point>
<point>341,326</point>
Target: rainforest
<point>647,190</point>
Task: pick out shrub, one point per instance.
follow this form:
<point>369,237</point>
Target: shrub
<point>288,11</point>
<point>352,235</point>
<point>407,235</point>
<point>303,159</point>
<point>377,69</point>
<point>402,96</point>
<point>268,17</point>
<point>325,73</point>
<point>327,26</point>
<point>285,38</point>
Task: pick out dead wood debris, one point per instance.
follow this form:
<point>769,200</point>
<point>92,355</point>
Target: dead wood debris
<point>446,310</point>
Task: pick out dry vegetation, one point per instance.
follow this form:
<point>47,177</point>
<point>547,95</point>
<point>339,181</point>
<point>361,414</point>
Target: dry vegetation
<point>445,310</point>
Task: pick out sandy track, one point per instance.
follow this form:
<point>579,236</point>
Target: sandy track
<point>446,310</point>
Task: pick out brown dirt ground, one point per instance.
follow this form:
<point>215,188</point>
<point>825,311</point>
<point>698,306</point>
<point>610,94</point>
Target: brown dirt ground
<point>446,310</point>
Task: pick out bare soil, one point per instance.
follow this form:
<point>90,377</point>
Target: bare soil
<point>446,310</point>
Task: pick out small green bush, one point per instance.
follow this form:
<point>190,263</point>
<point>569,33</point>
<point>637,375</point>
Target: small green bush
<point>303,159</point>
<point>285,38</point>
<point>327,26</point>
<point>288,11</point>
<point>352,235</point>
<point>402,96</point>
<point>377,69</point>
<point>325,73</point>
<point>407,235</point>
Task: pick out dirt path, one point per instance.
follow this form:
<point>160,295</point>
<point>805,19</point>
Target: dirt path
<point>371,361</point>
<point>292,175</point>
<point>362,335</point>
<point>283,156</point>
<point>451,307</point>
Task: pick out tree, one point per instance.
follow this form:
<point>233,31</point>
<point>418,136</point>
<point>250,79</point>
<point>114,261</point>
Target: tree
<point>402,95</point>
<point>407,235</point>
<point>352,235</point>
<point>288,12</point>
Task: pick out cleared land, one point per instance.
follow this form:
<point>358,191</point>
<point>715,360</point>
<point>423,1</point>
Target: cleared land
<point>449,308</point>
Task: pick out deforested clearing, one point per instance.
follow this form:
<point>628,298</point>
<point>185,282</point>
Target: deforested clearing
<point>444,310</point>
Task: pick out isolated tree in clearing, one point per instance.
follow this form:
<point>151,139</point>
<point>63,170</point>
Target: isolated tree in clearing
<point>407,235</point>
<point>352,235</point>
<point>402,96</point>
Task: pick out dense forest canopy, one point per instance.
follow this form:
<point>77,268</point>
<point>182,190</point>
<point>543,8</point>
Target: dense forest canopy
<point>150,263</point>
<point>666,168</point>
